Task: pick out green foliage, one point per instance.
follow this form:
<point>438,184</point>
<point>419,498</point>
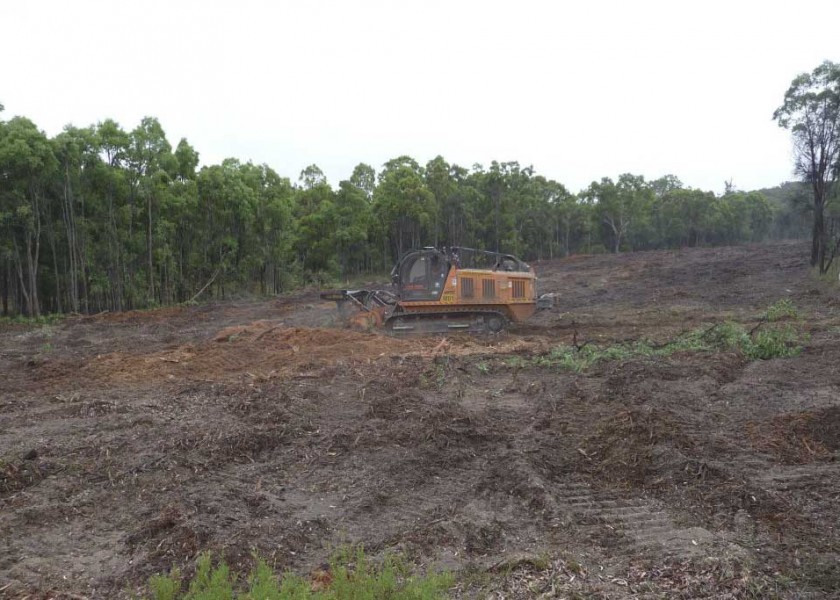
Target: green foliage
<point>725,336</point>
<point>783,309</point>
<point>211,583</point>
<point>622,208</point>
<point>516,362</point>
<point>166,587</point>
<point>351,577</point>
<point>403,203</point>
<point>763,343</point>
<point>579,359</point>
<point>774,343</point>
<point>40,320</point>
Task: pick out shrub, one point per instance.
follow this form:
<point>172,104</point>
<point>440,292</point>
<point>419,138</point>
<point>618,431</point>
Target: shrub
<point>726,336</point>
<point>783,309</point>
<point>763,343</point>
<point>351,577</point>
<point>773,343</point>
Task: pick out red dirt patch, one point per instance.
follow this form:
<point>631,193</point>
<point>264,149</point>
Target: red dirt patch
<point>261,349</point>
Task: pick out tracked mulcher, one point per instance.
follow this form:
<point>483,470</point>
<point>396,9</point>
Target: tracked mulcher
<point>446,289</point>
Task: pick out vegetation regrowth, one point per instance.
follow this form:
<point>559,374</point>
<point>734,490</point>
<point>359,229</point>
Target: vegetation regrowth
<point>351,576</point>
<point>765,341</point>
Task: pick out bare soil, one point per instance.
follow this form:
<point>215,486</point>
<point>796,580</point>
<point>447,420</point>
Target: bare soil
<point>131,442</point>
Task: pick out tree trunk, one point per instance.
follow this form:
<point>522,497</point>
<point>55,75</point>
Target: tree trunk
<point>30,285</point>
<point>817,236</point>
<point>149,245</point>
<point>69,228</point>
<point>114,270</point>
<point>81,253</point>
<point>23,295</point>
<point>4,282</point>
<point>51,239</point>
<point>32,266</point>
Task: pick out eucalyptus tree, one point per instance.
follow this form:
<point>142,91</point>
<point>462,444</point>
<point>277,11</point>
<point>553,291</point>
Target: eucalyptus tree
<point>77,151</point>
<point>112,182</point>
<point>312,176</point>
<point>352,221</point>
<point>811,110</point>
<point>440,184</point>
<point>275,229</point>
<point>228,199</point>
<point>150,162</point>
<point>665,184</point>
<point>533,216</point>
<point>621,207</point>
<point>566,218</point>
<point>741,217</point>
<point>460,209</point>
<point>316,216</point>
<point>27,165</point>
<point>404,204</point>
<point>364,179</point>
<point>684,217</point>
<point>178,237</point>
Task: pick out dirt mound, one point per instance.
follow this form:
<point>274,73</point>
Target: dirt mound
<point>262,350</point>
<point>167,536</point>
<point>16,475</point>
<point>799,438</point>
<point>439,436</point>
<point>394,406</point>
<point>636,446</point>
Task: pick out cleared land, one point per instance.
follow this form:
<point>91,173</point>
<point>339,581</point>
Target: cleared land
<point>130,442</point>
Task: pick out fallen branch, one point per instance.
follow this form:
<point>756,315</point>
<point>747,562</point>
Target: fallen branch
<point>761,322</point>
<point>266,332</point>
<point>577,346</point>
<point>206,285</point>
<point>709,330</point>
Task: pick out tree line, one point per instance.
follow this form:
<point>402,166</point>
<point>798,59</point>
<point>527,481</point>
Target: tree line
<point>101,218</point>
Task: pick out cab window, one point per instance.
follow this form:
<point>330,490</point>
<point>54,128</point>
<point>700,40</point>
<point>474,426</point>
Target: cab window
<point>422,277</point>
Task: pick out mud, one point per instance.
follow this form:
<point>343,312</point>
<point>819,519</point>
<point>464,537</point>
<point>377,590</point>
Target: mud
<point>131,442</point>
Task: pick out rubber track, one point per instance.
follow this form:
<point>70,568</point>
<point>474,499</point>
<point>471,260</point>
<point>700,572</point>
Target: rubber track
<point>436,317</point>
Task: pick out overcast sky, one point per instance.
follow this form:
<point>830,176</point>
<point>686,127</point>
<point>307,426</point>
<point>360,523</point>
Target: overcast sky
<point>579,90</point>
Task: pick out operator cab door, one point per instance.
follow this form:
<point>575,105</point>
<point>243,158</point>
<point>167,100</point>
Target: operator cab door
<point>423,275</point>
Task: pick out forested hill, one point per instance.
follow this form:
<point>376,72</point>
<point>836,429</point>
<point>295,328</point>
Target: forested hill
<point>100,218</point>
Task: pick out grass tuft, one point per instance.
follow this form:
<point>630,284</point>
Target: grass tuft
<point>49,319</point>
<point>783,309</point>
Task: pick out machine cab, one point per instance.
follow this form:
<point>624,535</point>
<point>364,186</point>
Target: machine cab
<point>421,275</point>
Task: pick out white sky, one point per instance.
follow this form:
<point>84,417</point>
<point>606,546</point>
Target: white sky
<point>580,90</point>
